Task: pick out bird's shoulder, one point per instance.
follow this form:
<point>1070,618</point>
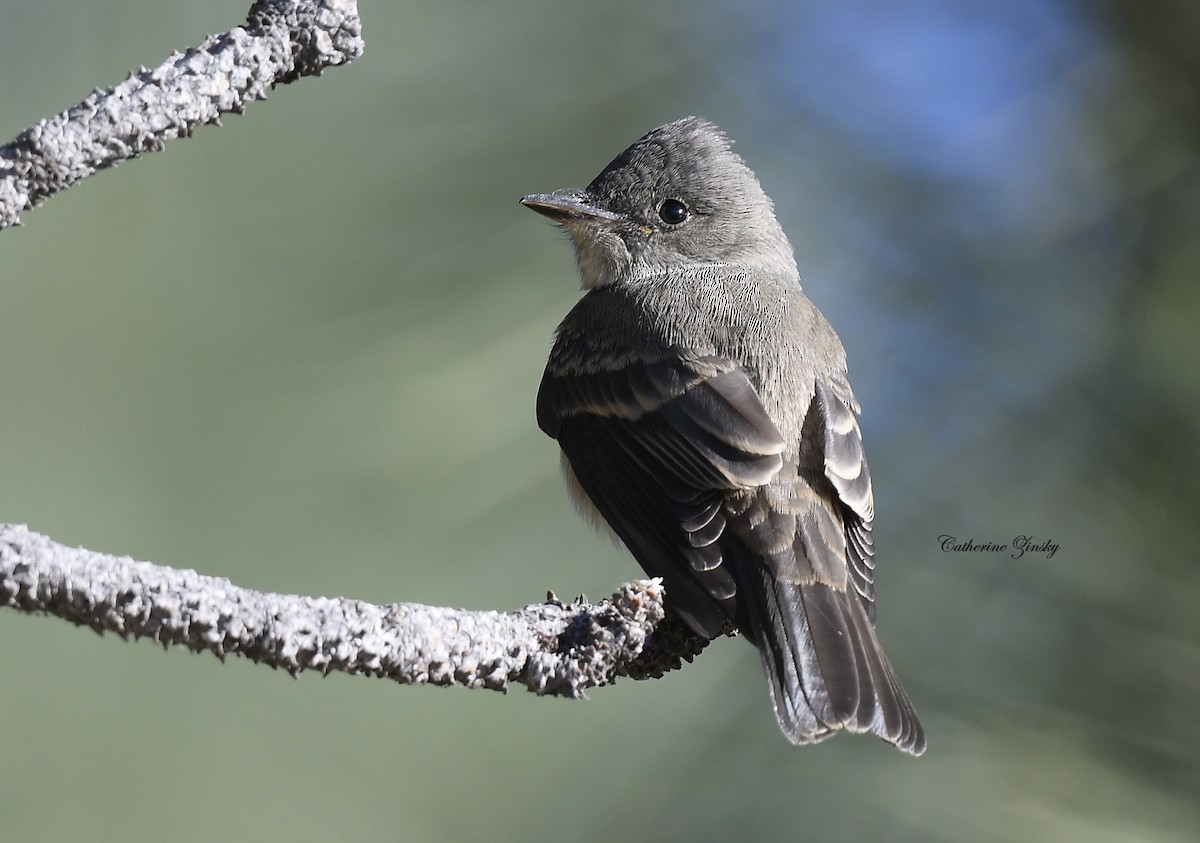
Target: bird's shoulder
<point>702,309</point>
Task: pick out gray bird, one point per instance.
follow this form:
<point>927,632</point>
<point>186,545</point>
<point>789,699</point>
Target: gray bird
<point>704,414</point>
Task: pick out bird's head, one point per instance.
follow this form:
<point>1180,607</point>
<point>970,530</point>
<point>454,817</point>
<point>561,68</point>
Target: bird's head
<point>677,197</point>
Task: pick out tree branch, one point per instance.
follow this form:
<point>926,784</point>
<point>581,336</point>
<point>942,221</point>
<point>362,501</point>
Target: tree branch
<point>282,41</point>
<point>551,648</point>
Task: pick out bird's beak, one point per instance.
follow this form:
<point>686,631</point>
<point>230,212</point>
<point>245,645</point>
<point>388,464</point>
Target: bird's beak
<point>564,206</point>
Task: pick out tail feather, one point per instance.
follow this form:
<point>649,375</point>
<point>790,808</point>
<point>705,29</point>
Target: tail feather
<point>827,669</point>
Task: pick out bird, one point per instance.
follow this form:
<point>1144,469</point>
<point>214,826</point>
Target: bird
<point>703,410</point>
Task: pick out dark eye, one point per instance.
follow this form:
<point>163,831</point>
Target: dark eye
<point>672,212</point>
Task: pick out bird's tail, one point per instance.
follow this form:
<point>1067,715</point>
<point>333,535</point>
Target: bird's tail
<point>827,668</point>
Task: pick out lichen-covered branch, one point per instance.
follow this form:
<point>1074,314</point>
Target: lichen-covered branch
<point>550,647</point>
<point>282,41</point>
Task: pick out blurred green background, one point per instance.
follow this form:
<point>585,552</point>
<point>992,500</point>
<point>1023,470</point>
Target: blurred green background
<point>302,352</point>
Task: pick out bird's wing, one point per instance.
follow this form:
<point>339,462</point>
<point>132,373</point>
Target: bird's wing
<point>654,444</point>
<point>683,462</point>
<point>804,559</point>
<point>845,465</point>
